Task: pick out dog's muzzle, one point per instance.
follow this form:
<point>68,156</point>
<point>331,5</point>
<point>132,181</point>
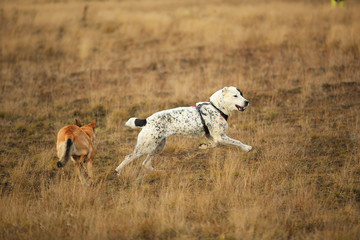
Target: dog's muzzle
<point>241,109</point>
<point>59,164</point>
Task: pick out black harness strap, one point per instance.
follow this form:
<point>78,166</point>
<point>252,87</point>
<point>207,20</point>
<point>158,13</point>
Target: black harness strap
<point>221,112</point>
<point>206,129</point>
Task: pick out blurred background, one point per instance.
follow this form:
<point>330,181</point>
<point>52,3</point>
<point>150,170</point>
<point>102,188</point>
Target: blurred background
<point>297,62</point>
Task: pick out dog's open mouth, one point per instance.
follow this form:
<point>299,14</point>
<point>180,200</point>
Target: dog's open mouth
<point>241,109</point>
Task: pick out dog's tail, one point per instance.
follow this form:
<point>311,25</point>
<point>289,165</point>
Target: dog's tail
<point>136,122</point>
<point>65,157</point>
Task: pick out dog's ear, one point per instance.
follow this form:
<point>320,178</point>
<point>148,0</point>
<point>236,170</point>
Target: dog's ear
<point>241,94</point>
<point>93,124</point>
<point>77,123</point>
<point>225,90</point>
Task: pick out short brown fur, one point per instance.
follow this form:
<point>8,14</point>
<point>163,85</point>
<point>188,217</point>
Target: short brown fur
<point>76,142</point>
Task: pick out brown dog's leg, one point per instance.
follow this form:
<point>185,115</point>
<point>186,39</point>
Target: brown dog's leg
<point>78,172</point>
<point>89,166</point>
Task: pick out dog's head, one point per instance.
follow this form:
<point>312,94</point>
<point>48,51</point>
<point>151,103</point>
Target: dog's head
<point>229,99</point>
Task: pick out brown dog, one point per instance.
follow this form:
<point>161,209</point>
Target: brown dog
<point>76,142</point>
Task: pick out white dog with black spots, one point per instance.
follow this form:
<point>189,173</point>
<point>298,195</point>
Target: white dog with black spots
<point>206,119</point>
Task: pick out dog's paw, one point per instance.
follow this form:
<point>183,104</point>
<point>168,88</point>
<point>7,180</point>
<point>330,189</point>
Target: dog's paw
<point>206,145</point>
<point>117,172</point>
<point>203,146</point>
<point>248,148</point>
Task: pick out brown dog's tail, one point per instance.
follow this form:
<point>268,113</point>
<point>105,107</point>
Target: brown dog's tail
<point>66,156</point>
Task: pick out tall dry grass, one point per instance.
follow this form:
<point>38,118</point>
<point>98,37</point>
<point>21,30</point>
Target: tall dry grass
<point>297,63</point>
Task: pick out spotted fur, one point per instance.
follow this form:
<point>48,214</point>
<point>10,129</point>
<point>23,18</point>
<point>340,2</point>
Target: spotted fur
<point>186,121</point>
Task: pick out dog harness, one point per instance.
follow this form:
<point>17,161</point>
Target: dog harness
<point>225,116</point>
<point>206,129</point>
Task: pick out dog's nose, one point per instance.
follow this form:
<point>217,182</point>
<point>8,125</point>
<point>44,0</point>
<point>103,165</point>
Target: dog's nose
<point>59,164</point>
<point>246,103</point>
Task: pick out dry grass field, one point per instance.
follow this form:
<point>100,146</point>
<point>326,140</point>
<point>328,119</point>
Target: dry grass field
<point>297,62</point>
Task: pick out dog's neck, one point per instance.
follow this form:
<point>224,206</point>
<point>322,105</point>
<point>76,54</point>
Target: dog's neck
<point>218,100</point>
<point>220,106</point>
<point>88,132</point>
<point>224,115</point>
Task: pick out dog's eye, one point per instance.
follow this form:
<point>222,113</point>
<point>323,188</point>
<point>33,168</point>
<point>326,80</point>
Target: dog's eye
<point>235,95</point>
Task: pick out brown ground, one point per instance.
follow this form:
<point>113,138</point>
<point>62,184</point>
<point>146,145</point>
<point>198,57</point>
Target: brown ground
<point>297,64</point>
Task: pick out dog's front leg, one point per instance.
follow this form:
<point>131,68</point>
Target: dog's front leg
<point>225,140</point>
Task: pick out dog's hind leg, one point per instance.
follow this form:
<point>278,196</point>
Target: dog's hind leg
<point>78,172</point>
<point>128,159</point>
<point>149,142</point>
<point>159,148</point>
<point>147,162</point>
<point>89,168</point>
